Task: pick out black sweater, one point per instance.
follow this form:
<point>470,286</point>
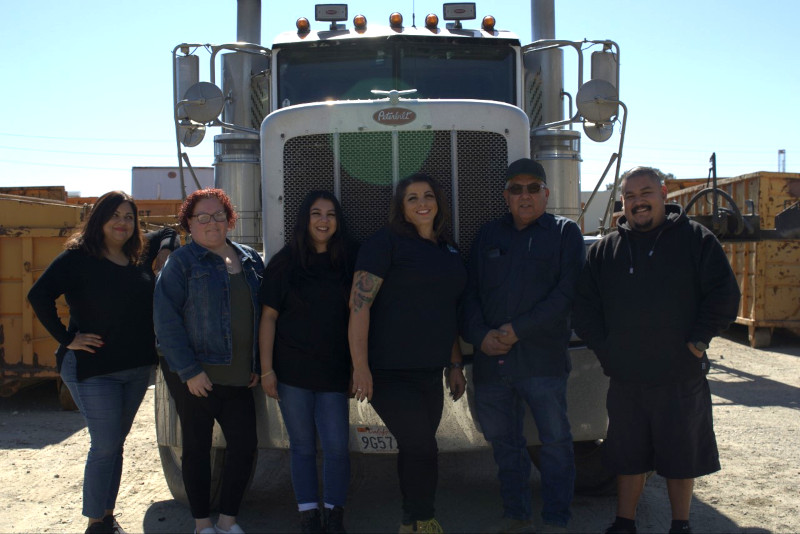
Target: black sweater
<point>643,295</point>
<point>104,298</point>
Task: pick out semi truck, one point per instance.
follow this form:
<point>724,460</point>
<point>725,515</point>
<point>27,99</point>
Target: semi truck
<point>353,107</point>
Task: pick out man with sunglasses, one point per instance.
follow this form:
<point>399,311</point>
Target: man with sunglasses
<point>522,275</point>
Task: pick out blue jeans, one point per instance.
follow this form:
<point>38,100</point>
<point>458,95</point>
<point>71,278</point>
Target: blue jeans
<point>307,413</point>
<point>500,411</point>
<point>109,404</point>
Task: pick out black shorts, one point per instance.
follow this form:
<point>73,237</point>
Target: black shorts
<point>667,428</point>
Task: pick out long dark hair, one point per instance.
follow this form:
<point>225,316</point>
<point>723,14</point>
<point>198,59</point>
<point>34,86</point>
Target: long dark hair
<point>301,248</point>
<point>441,222</point>
<point>90,237</point>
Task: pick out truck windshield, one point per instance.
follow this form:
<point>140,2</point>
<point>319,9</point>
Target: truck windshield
<point>350,70</point>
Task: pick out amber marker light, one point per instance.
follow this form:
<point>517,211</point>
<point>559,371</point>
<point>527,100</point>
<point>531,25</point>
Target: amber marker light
<point>488,23</point>
<point>360,22</point>
<point>303,26</point>
<point>396,20</point>
<point>431,21</point>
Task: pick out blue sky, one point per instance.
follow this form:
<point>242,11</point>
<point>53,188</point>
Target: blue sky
<point>87,84</point>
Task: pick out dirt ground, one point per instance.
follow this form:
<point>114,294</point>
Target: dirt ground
<point>757,415</point>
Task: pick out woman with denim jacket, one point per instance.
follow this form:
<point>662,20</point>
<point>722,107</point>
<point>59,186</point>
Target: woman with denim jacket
<point>206,314</point>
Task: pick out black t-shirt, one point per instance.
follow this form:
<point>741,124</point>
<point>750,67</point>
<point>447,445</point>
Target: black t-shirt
<point>104,298</point>
<point>311,348</point>
<point>413,318</point>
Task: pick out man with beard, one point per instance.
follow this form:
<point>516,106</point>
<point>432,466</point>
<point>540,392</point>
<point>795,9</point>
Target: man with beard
<point>649,300</point>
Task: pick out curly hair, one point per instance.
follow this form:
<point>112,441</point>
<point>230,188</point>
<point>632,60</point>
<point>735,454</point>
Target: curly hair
<point>441,222</point>
<point>90,237</point>
<point>187,208</point>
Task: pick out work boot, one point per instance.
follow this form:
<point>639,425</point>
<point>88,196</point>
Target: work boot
<point>333,520</point>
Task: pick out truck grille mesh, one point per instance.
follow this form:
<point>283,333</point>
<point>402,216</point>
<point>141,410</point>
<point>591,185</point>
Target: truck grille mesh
<point>365,166</point>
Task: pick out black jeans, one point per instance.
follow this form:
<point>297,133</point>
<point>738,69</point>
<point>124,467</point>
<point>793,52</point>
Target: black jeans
<point>234,408</point>
<point>410,402</point>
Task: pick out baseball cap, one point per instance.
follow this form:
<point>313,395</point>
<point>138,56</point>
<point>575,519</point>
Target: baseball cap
<point>526,166</point>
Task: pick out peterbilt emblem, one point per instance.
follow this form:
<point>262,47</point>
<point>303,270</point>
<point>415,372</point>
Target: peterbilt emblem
<point>394,116</point>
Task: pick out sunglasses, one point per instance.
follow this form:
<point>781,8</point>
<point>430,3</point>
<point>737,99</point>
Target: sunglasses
<point>533,188</point>
<point>205,218</point>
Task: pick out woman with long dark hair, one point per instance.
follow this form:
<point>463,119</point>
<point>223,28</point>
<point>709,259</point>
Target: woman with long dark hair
<point>305,362</point>
<point>206,314</point>
<point>403,332</point>
<point>107,350</point>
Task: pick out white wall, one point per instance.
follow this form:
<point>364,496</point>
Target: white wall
<point>595,211</point>
<point>163,183</point>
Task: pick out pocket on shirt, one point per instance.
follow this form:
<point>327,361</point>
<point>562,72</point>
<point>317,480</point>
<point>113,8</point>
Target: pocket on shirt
<point>496,270</point>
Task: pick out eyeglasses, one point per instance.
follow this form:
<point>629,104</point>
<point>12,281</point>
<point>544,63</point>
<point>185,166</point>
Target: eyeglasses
<point>533,188</point>
<point>205,218</point>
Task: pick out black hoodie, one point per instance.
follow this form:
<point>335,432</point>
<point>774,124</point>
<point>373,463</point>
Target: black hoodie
<point>643,295</point>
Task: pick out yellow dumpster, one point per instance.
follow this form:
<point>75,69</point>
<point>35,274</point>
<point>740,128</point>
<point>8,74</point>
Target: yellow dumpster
<point>32,233</point>
<point>767,269</point>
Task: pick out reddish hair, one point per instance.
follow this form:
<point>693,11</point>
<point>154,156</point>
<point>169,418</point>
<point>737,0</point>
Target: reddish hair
<point>187,208</point>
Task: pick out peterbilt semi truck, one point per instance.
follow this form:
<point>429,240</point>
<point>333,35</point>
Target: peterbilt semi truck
<point>354,106</point>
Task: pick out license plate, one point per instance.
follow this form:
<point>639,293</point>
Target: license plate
<point>376,439</point>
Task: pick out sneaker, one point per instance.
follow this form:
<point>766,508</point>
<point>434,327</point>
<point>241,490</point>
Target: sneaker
<point>99,527</point>
<point>509,525</point>
<point>111,522</point>
<point>234,529</point>
<point>431,526</point>
<point>311,521</point>
<point>333,519</point>
<point>616,528</point>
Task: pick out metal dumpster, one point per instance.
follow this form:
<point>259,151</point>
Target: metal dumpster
<point>32,233</point>
<point>767,267</point>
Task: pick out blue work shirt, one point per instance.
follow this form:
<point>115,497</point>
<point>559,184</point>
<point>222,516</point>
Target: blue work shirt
<point>527,278</point>
<point>192,308</point>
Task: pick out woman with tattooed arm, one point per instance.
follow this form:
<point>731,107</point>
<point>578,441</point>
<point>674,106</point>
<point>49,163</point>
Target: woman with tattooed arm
<point>403,332</point>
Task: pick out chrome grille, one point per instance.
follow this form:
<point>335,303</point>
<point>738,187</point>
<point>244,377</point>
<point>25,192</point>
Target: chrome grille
<point>365,170</point>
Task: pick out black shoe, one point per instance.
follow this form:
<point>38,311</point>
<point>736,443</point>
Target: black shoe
<point>617,528</point>
<point>311,522</point>
<point>683,530</point>
<point>111,523</point>
<point>334,520</point>
<point>101,527</point>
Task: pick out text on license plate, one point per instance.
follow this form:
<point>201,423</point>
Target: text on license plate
<point>376,439</point>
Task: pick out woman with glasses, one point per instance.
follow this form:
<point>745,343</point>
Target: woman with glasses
<point>107,351</point>
<point>206,315</point>
<point>305,362</point>
<point>403,332</point>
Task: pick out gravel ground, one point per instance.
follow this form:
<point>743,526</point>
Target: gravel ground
<point>756,397</point>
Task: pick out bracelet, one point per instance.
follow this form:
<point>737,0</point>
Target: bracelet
<point>456,365</point>
<point>270,372</point>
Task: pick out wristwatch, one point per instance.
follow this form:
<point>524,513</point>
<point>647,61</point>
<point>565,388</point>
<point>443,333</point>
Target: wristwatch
<point>702,346</point>
<point>456,365</point>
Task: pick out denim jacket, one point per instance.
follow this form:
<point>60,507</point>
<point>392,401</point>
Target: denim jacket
<point>192,308</point>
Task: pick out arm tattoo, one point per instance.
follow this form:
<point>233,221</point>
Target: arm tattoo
<point>365,288</point>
